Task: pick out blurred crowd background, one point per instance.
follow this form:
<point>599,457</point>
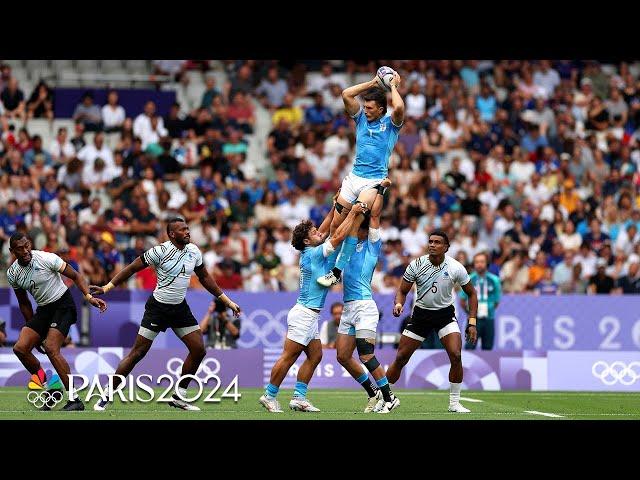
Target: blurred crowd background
<point>534,162</point>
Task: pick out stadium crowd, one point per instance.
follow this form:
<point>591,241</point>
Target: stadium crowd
<point>536,163</point>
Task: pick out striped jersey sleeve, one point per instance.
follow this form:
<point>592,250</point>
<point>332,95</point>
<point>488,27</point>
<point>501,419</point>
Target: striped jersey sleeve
<point>154,255</point>
<point>411,272</point>
<point>11,277</point>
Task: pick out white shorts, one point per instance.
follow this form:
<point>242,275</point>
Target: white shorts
<point>359,315</point>
<point>302,325</point>
<point>353,186</point>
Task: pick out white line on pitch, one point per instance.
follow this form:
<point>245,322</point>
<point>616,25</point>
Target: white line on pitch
<point>471,400</point>
<point>553,415</point>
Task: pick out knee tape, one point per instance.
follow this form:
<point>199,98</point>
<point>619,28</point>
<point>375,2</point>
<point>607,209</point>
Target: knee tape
<point>372,364</point>
<point>364,347</point>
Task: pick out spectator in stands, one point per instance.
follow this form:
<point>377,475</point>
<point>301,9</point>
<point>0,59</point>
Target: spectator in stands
<point>241,111</point>
<point>515,273</point>
<point>113,114</point>
<point>148,126</point>
<point>88,113</point>
<point>89,153</point>
<point>78,140</point>
<point>317,116</point>
<point>630,283</point>
<point>210,92</point>
<point>61,148</point>
<point>288,112</point>
<point>272,89</point>
<point>329,328</point>
<point>12,99</point>
<point>40,103</point>
<point>174,122</point>
<point>228,279</point>
<point>35,151</point>
<point>601,282</point>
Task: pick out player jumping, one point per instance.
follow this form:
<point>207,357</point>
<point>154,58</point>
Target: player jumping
<point>376,135</point>
<point>316,256</point>
<point>38,273</point>
<point>435,276</point>
<point>174,261</point>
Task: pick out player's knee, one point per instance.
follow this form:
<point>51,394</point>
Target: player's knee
<point>455,357</point>
<point>316,358</point>
<point>198,352</point>
<point>138,353</point>
<point>402,357</point>
<point>343,357</point>
<point>20,349</point>
<point>50,350</point>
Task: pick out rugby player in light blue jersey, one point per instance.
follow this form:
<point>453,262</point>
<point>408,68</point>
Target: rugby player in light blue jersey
<point>317,255</point>
<point>376,135</point>
<point>360,316</point>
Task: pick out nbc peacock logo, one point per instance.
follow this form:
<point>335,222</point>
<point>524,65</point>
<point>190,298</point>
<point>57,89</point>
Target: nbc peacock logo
<point>44,394</point>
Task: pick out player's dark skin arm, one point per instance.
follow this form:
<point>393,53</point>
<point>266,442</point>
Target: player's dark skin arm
<point>121,276</point>
<point>80,282</point>
<point>471,332</point>
<point>401,297</point>
<point>25,305</point>
<point>212,287</point>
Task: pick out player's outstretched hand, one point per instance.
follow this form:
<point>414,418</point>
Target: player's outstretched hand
<point>236,308</point>
<point>397,309</point>
<point>96,290</point>
<point>471,334</point>
<point>98,303</point>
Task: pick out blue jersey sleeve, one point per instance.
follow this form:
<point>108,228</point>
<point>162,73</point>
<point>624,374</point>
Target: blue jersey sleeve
<point>374,247</point>
<point>389,121</point>
<point>359,117</point>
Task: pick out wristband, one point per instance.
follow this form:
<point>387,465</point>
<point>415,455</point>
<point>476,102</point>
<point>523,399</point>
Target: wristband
<point>225,299</point>
<point>108,286</point>
<point>472,321</point>
<point>88,296</point>
<point>381,189</point>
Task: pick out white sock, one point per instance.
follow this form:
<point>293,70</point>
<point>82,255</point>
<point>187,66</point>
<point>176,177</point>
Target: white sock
<point>182,392</point>
<point>454,393</point>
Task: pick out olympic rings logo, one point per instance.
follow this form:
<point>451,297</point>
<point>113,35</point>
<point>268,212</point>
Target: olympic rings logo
<point>616,372</point>
<point>258,335</point>
<point>210,367</point>
<point>40,399</point>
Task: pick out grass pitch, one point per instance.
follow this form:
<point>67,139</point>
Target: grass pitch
<point>348,405</point>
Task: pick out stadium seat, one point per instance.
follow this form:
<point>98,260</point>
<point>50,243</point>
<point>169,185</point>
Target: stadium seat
<point>13,63</point>
<point>88,66</point>
<point>137,66</point>
<point>112,66</point>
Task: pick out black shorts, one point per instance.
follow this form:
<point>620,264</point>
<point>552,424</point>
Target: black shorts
<point>159,316</point>
<point>60,315</point>
<point>423,322</point>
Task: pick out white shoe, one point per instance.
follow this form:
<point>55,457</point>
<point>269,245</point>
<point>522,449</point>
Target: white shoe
<point>373,401</point>
<point>302,405</point>
<point>101,405</point>
<point>328,280</point>
<point>456,407</point>
<point>182,405</point>
<point>386,407</point>
<point>271,404</point>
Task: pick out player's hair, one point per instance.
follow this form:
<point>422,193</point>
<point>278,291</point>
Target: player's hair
<point>171,221</point>
<point>300,233</point>
<point>441,233</point>
<point>17,236</point>
<point>377,95</point>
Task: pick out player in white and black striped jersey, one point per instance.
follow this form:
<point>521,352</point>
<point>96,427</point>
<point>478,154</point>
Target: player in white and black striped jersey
<point>174,262</point>
<point>435,276</point>
<point>39,273</point>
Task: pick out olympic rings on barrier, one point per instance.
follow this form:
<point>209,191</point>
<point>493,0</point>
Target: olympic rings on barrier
<point>616,372</point>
